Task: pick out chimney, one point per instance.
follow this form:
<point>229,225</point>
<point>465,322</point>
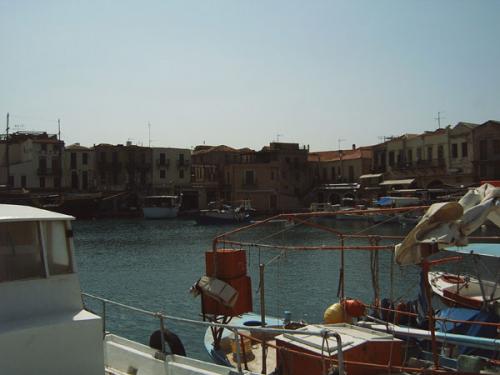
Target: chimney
<point>354,146</point>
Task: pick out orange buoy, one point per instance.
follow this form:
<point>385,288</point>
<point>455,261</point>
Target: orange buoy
<point>354,307</point>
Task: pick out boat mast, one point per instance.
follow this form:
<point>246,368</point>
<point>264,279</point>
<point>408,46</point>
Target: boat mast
<point>7,161</point>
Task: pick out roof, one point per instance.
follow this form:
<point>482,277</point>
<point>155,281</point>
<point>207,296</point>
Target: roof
<point>77,146</point>
<point>358,153</point>
<point>220,148</point>
<point>14,213</point>
<point>407,181</point>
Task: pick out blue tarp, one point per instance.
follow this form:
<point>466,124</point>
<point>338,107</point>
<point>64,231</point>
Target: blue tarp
<point>471,330</point>
<point>385,201</point>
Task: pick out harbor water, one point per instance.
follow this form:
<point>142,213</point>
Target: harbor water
<point>151,264</point>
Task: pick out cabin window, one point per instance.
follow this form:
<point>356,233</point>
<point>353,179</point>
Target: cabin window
<point>20,251</point>
<point>56,247</point>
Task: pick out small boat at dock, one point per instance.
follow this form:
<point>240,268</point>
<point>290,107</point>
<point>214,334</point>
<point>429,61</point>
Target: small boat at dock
<point>161,206</point>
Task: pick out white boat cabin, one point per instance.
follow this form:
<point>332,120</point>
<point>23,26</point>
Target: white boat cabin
<point>43,326</point>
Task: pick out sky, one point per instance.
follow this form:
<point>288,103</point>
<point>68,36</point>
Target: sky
<point>246,73</point>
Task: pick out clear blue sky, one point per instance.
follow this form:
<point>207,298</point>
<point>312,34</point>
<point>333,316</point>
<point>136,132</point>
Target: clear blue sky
<point>241,72</point>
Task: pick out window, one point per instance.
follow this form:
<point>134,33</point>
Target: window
<point>162,158</point>
<point>85,180</point>
<point>440,152</point>
<point>181,159</point>
<point>465,152</point>
<point>73,160</point>
<point>181,173</point>
<point>351,173</point>
<point>56,246</point>
<point>410,156</point>
<point>391,158</point>
<point>419,153</point>
<point>42,164</point>
<point>496,146</point>
<point>23,181</point>
<point>74,180</point>
<point>11,180</point>
<point>429,153</point>
<point>44,147</point>
<point>162,173</point>
<point>454,150</point>
<point>325,174</point>
<point>42,182</point>
<point>483,151</point>
<point>249,178</point>
<point>85,158</point>
<point>20,251</point>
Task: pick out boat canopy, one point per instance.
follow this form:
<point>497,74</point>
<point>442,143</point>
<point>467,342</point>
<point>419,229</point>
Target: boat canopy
<point>449,224</point>
<point>483,249</point>
<point>366,176</point>
<point>12,213</point>
<point>407,181</point>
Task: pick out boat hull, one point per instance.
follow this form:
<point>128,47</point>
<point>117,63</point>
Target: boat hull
<point>160,212</point>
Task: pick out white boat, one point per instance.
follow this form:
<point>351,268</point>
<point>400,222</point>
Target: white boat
<point>44,327</point>
<point>464,290</point>
<point>226,214</point>
<point>161,206</point>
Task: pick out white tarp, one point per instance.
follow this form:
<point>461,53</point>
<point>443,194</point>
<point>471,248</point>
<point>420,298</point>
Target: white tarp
<point>450,223</point>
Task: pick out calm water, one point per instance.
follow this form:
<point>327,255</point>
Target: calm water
<point>152,264</point>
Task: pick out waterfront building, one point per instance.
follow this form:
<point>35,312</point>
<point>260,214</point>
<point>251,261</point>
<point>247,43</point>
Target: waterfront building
<point>79,168</point>
<point>486,150</point>
<point>275,179</point>
<point>337,173</point>
<point>31,160</point>
<point>207,173</point>
<point>171,170</point>
<point>123,168</point>
<point>433,159</point>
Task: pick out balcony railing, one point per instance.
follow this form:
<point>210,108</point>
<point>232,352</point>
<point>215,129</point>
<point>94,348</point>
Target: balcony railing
<point>49,171</point>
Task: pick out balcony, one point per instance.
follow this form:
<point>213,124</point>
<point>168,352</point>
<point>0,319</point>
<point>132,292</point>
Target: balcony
<point>182,163</point>
<point>162,163</point>
<point>49,171</point>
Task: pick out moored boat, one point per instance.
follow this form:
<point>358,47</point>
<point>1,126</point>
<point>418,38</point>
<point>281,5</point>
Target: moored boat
<point>161,206</point>
<point>226,214</point>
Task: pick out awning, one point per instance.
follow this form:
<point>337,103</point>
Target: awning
<point>408,181</point>
<point>376,175</point>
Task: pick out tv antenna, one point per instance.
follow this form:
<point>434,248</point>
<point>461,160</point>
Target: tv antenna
<point>340,140</point>
<point>149,134</point>
<point>438,119</point>
<point>278,137</point>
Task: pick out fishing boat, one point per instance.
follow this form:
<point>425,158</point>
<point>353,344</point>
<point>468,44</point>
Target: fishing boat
<point>44,326</point>
<point>412,322</point>
<point>161,206</point>
<point>468,290</point>
<point>220,213</point>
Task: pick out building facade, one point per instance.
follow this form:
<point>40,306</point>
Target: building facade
<point>486,151</point>
<point>171,170</point>
<point>79,168</point>
<point>32,160</point>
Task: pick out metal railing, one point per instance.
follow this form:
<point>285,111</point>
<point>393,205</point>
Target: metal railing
<point>325,334</point>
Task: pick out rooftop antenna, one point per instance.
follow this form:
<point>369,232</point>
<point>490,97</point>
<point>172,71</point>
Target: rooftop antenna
<point>439,119</point>
<point>149,134</point>
<point>278,137</point>
<point>7,151</point>
<point>340,140</point>
<point>59,129</point>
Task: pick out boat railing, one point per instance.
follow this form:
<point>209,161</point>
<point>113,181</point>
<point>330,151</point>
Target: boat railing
<point>237,330</point>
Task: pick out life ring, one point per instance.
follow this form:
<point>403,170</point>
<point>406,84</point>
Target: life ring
<point>171,339</point>
<point>453,279</point>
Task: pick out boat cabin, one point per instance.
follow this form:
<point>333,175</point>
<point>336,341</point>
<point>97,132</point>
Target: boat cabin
<point>43,326</point>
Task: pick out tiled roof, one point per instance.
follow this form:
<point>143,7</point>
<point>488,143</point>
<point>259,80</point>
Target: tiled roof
<point>335,155</point>
<point>220,148</point>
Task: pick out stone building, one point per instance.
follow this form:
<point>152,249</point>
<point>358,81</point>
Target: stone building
<point>171,170</point>
<point>32,160</point>
<point>274,179</point>
<point>486,151</point>
<point>79,168</point>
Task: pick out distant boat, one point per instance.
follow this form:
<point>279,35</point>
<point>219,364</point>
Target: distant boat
<point>226,214</point>
<point>161,206</point>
